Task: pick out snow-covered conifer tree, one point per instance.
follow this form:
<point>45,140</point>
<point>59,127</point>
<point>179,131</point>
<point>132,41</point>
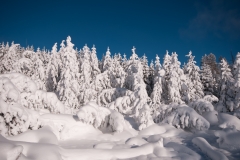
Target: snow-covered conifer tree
<point>166,67</point>
<point>226,88</point>
<point>147,77</point>
<point>107,60</point>
<point>10,58</point>
<point>176,80</point>
<point>68,87</point>
<point>156,95</point>
<point>53,71</point>
<point>207,79</point>
<point>236,72</point>
<point>94,63</point>
<point>194,88</point>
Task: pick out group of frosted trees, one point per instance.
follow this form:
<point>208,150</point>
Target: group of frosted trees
<point>130,86</point>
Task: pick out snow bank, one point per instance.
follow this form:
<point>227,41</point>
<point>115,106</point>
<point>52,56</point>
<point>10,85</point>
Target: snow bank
<point>208,149</point>
<point>43,135</point>
<point>228,121</point>
<point>95,154</point>
<point>8,150</point>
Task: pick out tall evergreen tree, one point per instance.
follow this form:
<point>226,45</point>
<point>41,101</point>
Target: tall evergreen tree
<point>226,88</point>
<point>68,87</point>
<point>193,82</point>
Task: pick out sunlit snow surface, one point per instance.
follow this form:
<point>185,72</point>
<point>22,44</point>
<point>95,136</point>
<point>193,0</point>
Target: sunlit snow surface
<point>191,132</point>
<point>82,141</point>
<point>119,122</point>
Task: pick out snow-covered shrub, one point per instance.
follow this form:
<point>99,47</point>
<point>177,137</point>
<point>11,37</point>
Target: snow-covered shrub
<point>21,82</point>
<point>201,106</point>
<point>14,118</point>
<point>211,98</point>
<point>144,118</point>
<point>109,95</point>
<point>186,117</point>
<point>116,121</point>
<point>101,117</point>
<point>42,100</point>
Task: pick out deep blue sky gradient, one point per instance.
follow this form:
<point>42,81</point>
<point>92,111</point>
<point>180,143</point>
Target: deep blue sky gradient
<point>152,26</point>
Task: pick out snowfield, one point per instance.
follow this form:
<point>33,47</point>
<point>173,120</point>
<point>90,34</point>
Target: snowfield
<point>68,105</point>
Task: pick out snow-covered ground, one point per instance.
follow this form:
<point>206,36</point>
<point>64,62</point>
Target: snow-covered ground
<point>70,106</point>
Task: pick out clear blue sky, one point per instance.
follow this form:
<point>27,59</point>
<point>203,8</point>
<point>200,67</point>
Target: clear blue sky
<point>152,26</point>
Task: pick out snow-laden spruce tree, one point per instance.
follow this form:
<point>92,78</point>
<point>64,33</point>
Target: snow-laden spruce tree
<point>10,58</point>
<point>68,87</point>
<point>156,95</point>
<point>116,73</point>
<point>236,72</point>
<point>94,63</point>
<point>53,70</point>
<point>207,79</point>
<point>166,67</point>
<point>226,88</point>
<point>147,77</point>
<point>215,69</point>
<point>194,85</point>
<point>88,73</point>
<point>176,80</point>
<point>107,60</point>
<point>39,74</point>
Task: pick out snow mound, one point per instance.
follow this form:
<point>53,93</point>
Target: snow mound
<point>208,149</point>
<point>228,121</point>
<point>162,129</point>
<point>183,151</point>
<point>186,117</point>
<point>135,141</point>
<point>211,117</point>
<point>43,135</point>
<point>228,139</point>
<point>8,150</point>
